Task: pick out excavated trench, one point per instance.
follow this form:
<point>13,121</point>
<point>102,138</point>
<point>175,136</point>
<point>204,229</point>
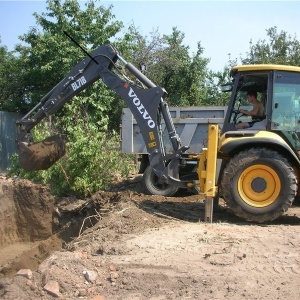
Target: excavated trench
<point>25,225</point>
<point>33,224</point>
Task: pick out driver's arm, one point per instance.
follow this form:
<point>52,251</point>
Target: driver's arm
<point>252,112</point>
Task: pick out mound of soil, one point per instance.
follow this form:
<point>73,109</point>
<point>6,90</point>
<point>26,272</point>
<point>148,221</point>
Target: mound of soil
<point>124,244</point>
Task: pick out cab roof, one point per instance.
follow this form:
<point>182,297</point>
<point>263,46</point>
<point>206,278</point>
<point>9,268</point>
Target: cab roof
<point>265,67</point>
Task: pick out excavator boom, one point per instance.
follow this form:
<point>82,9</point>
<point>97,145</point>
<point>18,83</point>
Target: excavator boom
<point>41,155</point>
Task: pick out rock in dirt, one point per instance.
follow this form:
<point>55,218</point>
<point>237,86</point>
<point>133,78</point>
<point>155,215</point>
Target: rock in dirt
<point>90,276</point>
<point>52,287</point>
<point>27,273</point>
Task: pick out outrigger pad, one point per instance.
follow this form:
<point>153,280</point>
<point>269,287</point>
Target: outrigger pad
<point>41,155</point>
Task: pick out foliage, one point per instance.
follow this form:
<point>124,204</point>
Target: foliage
<point>92,162</point>
<point>184,77</point>
<point>281,48</point>
<point>168,62</point>
<point>11,87</point>
<point>213,94</point>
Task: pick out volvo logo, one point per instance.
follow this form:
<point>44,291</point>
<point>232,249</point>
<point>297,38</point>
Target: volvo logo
<point>140,107</point>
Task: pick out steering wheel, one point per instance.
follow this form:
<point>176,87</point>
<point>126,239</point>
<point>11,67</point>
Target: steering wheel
<point>236,115</point>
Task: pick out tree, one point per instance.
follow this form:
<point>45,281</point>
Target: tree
<point>11,88</point>
<point>168,63</point>
<point>214,80</point>
<point>281,48</point>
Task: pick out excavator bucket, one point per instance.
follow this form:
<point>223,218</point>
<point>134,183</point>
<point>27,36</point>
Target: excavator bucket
<point>41,155</point>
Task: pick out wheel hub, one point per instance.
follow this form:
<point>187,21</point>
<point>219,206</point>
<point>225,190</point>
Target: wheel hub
<point>259,185</point>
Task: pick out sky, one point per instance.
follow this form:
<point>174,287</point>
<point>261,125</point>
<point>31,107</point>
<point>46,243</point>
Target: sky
<point>224,28</point>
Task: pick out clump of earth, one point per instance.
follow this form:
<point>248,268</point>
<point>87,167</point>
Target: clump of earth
<point>124,244</point>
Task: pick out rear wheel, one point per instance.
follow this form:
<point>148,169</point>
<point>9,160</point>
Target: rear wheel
<point>153,185</point>
<point>259,184</point>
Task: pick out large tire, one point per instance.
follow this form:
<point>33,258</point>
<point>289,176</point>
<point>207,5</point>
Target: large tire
<point>154,187</point>
<point>259,184</point>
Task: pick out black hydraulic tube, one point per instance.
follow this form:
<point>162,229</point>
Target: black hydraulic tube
<point>137,73</point>
<point>170,126</point>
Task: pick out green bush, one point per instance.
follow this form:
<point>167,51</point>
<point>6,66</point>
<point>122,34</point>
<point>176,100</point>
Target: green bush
<point>92,162</point>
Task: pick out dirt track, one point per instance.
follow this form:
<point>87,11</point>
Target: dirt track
<point>142,247</point>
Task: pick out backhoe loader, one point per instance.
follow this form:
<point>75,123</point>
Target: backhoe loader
<point>258,171</point>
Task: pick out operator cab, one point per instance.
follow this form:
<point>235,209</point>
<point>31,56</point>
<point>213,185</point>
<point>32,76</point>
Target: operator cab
<point>278,89</point>
<point>240,86</point>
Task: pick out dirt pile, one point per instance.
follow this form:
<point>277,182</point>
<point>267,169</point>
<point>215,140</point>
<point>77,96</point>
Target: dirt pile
<point>127,245</point>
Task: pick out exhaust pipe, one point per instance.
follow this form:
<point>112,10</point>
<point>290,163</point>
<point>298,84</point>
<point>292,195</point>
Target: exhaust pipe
<point>41,155</point>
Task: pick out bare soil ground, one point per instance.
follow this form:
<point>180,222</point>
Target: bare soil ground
<point>124,244</point>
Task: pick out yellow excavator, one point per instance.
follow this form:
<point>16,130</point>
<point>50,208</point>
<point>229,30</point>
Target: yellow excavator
<point>255,170</point>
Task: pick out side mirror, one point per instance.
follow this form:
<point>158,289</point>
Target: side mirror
<point>227,87</point>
